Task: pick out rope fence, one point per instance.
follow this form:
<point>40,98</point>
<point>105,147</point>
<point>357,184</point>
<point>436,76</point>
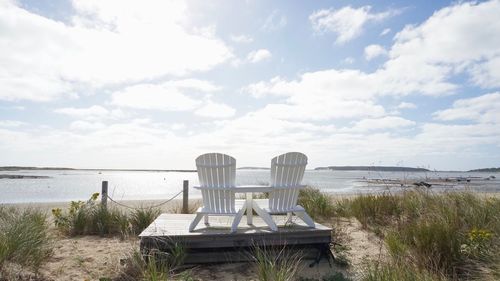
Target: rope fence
<point>184,191</point>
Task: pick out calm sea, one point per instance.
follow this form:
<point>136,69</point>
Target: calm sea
<point>66,185</point>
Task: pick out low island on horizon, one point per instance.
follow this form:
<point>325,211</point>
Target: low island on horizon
<point>332,168</point>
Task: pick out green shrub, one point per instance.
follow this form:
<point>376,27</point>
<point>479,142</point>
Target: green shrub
<point>24,237</point>
<point>91,218</point>
<point>79,219</point>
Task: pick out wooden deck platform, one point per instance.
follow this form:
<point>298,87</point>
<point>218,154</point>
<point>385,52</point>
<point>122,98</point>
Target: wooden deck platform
<point>216,244</point>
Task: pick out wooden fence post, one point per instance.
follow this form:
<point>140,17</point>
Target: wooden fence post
<point>185,198</point>
<point>104,194</point>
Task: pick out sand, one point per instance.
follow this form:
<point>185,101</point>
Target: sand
<point>93,257</point>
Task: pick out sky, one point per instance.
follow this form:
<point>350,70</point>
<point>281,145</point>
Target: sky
<point>153,84</point>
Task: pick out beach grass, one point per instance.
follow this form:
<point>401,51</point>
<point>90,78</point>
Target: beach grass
<point>398,271</point>
<point>142,218</point>
<point>276,263</point>
<point>154,265</point>
<point>456,235</point>
<point>25,238</point>
<point>317,204</point>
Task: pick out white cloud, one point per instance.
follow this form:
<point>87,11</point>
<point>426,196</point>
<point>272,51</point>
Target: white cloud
<point>373,51</point>
<point>321,95</point>
<point>86,126</point>
<point>406,105</point>
<point>259,55</point>
<point>458,39</point>
<point>215,110</point>
<point>421,61</point>
<point>348,60</point>
<point>242,38</point>
<point>11,123</point>
<point>483,109</point>
<point>385,31</point>
<point>487,74</point>
<point>193,84</point>
<point>347,22</point>
<point>274,21</point>
<point>388,122</point>
<point>108,42</point>
<point>93,111</point>
<point>154,96</point>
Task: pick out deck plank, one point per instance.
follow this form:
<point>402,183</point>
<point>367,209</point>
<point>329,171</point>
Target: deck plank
<point>216,243</point>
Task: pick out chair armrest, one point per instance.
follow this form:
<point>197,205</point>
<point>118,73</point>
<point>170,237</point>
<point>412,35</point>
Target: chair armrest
<point>214,188</point>
<point>289,187</point>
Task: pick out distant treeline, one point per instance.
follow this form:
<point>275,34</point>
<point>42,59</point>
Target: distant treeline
<point>489,170</point>
<point>17,168</point>
<point>373,168</point>
<point>252,168</point>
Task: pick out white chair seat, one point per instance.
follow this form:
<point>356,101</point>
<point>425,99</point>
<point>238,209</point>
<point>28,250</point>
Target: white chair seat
<point>238,204</point>
<point>264,205</point>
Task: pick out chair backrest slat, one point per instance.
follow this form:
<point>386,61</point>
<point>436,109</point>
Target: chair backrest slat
<point>217,174</point>
<point>287,170</point>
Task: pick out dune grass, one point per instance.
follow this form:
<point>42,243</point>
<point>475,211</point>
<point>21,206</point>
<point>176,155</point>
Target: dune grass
<point>398,271</point>
<point>24,238</point>
<point>456,235</point>
<point>317,204</point>
<point>142,218</point>
<point>276,263</point>
<point>155,265</point>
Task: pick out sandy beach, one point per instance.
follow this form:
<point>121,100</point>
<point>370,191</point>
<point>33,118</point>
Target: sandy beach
<point>93,257</point>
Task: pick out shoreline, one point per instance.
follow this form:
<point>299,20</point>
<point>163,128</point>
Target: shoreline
<point>139,203</point>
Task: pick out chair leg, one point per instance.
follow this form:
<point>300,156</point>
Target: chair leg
<point>289,217</point>
<point>195,222</point>
<point>206,220</point>
<point>237,219</point>
<point>306,218</point>
<point>265,216</point>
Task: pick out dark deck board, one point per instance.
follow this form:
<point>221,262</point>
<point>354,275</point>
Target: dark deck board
<point>216,241</point>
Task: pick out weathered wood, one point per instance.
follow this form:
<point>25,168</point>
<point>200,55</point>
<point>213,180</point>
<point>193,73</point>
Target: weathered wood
<point>185,198</point>
<point>104,194</point>
<point>215,243</point>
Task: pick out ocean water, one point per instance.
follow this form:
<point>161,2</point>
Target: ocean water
<point>66,185</point>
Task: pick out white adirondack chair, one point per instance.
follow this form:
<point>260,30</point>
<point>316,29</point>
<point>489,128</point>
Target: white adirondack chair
<point>217,173</point>
<point>287,171</point>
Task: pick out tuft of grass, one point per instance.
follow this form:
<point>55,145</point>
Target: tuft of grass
<point>155,265</point>
<point>335,276</point>
<point>24,238</point>
<point>375,209</point>
<point>108,221</point>
<point>142,218</point>
<point>317,204</point>
<point>192,207</point>
<point>276,264</point>
<point>396,271</point>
